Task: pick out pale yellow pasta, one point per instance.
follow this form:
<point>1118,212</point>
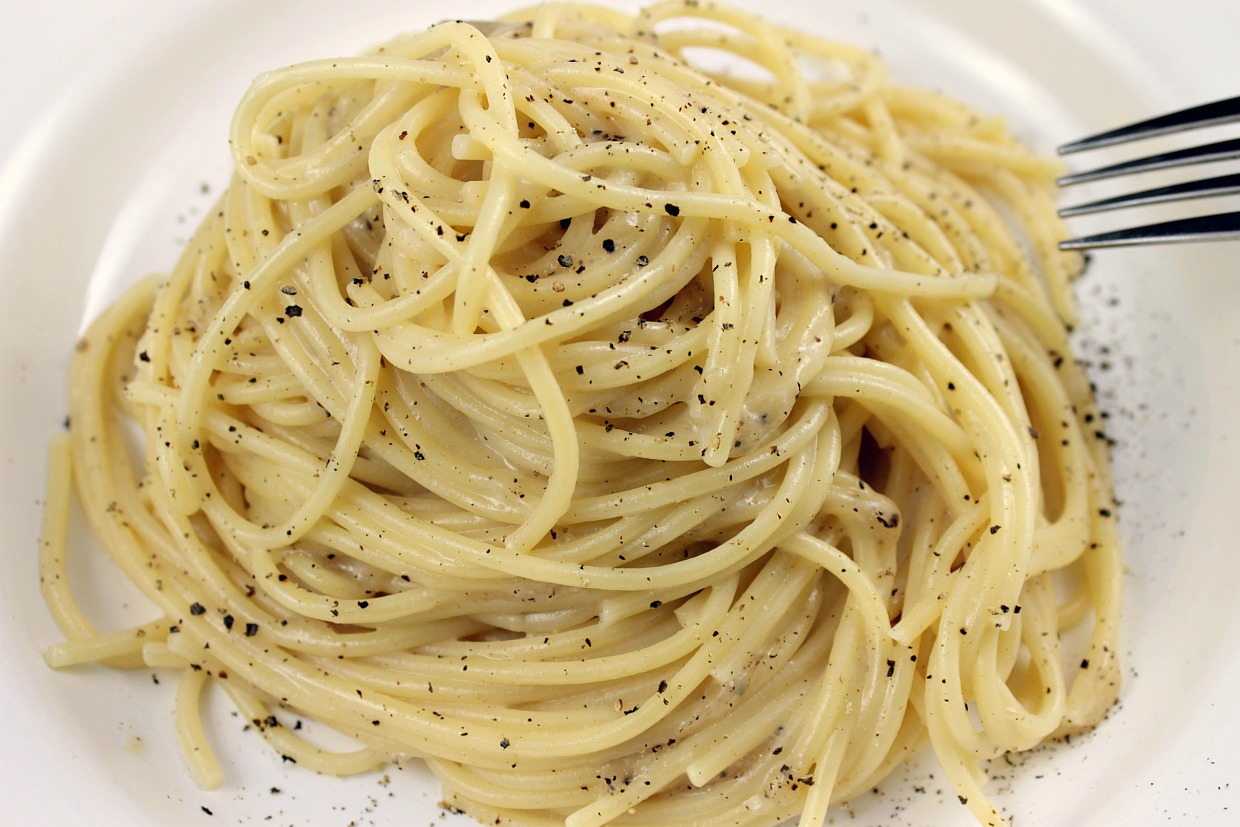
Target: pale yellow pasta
<point>631,439</point>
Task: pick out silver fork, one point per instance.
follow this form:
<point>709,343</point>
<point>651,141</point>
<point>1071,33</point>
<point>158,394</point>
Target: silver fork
<point>1221,226</point>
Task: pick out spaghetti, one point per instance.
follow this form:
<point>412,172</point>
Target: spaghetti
<point>633,435</point>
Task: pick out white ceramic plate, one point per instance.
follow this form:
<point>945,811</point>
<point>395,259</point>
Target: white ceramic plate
<point>112,128</point>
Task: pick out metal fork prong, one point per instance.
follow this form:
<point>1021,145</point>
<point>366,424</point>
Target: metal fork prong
<point>1218,151</point>
<point>1204,188</point>
<point>1195,117</point>
<point>1221,227</point>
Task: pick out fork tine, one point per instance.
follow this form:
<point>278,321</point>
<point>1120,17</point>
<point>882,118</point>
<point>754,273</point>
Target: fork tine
<point>1218,151</point>
<point>1221,227</point>
<point>1206,114</point>
<point>1206,187</point>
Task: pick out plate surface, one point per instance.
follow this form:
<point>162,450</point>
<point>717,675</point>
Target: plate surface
<point>112,144</point>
